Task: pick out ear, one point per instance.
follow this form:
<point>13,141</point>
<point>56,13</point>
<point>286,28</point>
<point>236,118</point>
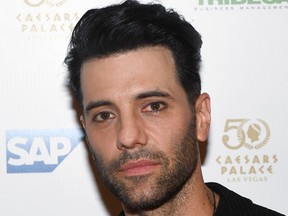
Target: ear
<point>203,116</point>
<point>82,120</point>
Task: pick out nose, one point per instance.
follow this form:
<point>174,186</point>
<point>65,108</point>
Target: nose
<point>131,133</point>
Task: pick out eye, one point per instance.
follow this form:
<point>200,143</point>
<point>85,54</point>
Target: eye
<point>104,116</point>
<point>154,107</point>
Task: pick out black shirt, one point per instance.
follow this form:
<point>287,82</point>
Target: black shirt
<point>232,204</point>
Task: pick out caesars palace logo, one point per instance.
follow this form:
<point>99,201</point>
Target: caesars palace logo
<point>33,21</point>
<point>245,137</point>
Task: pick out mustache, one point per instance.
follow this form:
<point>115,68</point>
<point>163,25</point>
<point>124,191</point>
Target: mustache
<point>126,156</point>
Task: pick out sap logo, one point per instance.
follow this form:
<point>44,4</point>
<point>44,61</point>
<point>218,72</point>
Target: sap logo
<point>34,151</point>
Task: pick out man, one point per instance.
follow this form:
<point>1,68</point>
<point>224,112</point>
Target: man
<point>135,71</point>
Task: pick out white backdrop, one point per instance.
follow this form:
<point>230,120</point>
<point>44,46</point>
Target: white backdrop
<point>44,165</point>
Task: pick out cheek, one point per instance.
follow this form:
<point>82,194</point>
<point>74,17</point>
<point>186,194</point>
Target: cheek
<point>103,144</point>
<point>168,132</point>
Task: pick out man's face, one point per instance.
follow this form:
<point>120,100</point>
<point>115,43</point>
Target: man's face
<point>140,125</point>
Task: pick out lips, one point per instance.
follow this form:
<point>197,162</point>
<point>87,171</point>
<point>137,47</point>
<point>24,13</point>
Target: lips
<point>137,168</point>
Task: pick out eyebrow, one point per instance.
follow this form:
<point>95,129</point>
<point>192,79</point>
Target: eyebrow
<point>143,95</point>
<point>95,104</point>
<point>153,93</point>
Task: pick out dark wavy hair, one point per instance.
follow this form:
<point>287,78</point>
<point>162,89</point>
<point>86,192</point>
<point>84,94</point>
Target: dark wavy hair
<point>130,25</point>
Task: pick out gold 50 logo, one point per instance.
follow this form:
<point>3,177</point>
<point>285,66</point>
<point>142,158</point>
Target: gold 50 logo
<point>50,3</point>
<point>252,134</point>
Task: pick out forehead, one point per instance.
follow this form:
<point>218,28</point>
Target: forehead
<point>148,68</point>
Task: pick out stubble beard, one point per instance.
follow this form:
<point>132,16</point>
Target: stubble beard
<point>146,192</point>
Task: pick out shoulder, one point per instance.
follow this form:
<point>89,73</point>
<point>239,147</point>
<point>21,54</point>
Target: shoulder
<point>232,203</point>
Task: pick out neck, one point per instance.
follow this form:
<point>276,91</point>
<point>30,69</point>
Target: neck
<point>194,199</point>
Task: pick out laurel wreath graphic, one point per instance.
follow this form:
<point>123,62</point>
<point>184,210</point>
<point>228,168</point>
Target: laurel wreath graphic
<point>243,139</point>
<point>52,4</point>
<point>267,137</point>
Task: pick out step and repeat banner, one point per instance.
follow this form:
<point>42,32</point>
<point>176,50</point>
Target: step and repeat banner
<point>45,168</point>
